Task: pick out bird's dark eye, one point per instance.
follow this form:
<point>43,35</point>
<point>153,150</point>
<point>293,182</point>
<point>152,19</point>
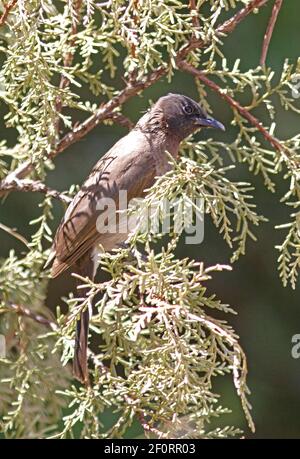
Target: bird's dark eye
<point>188,109</point>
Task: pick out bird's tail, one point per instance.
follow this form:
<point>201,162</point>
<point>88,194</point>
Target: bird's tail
<point>85,268</point>
<point>80,366</point>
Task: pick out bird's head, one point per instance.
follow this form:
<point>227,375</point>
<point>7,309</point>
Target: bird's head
<point>182,116</point>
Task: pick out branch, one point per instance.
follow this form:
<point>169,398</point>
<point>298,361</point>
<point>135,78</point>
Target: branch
<point>230,25</point>
<point>133,88</point>
<point>183,65</point>
<point>24,311</point>
<point>269,31</point>
<point>34,186</point>
<point>13,232</point>
<point>223,29</point>
<point>194,14</point>
<point>7,8</point>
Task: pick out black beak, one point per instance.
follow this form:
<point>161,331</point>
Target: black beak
<point>209,123</point>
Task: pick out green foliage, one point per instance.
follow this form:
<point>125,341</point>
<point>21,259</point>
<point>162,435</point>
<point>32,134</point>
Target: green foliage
<point>159,350</point>
<point>159,347</point>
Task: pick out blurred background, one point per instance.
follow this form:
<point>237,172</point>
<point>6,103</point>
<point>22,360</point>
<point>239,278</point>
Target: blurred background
<point>268,314</point>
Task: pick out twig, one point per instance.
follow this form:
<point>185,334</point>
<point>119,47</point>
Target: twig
<point>24,311</point>
<point>233,103</point>
<point>223,29</point>
<point>230,25</point>
<point>195,18</point>
<point>147,428</point>
<point>13,232</point>
<point>20,172</point>
<point>269,31</point>
<point>7,9</point>
<point>34,186</point>
<point>132,89</point>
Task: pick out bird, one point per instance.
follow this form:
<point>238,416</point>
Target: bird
<point>132,164</point>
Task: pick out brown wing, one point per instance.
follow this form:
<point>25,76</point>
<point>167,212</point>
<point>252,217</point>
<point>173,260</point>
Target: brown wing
<point>126,166</point>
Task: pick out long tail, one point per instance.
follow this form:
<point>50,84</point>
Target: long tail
<point>85,268</point>
<point>80,366</point>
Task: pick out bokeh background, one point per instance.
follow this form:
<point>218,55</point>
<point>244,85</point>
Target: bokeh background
<point>268,314</point>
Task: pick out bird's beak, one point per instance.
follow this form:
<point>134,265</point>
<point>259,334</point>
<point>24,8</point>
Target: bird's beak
<point>209,123</point>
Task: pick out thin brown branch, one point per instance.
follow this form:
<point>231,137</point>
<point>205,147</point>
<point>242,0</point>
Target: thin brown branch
<point>183,65</point>
<point>7,8</point>
<point>269,31</point>
<point>27,185</point>
<point>20,172</point>
<point>230,25</point>
<point>26,312</point>
<point>223,29</point>
<point>193,10</point>
<point>13,232</point>
<point>133,88</point>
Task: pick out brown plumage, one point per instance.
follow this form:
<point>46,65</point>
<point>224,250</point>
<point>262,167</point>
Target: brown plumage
<point>132,165</point>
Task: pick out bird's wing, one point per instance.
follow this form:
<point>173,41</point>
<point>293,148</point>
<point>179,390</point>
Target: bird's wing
<point>127,166</point>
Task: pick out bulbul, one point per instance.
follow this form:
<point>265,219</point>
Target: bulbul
<point>131,165</point>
